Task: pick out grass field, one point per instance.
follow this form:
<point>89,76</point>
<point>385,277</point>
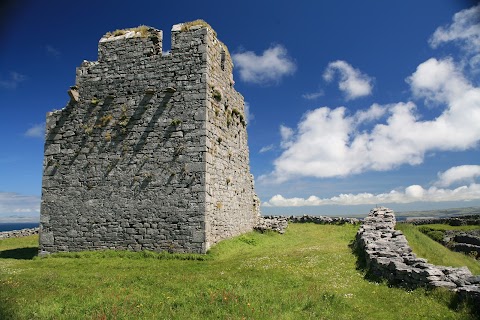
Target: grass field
<point>307,273</point>
<point>444,227</point>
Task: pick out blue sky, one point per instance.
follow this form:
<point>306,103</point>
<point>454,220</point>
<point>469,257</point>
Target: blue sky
<point>351,103</point>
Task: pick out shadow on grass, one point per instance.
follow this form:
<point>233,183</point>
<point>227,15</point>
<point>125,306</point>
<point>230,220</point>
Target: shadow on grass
<point>6,314</point>
<point>20,253</point>
<point>361,263</point>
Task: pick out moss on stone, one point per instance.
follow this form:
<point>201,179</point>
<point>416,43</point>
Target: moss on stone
<point>199,22</point>
<point>143,30</point>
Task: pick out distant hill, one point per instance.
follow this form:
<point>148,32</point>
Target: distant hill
<point>440,213</point>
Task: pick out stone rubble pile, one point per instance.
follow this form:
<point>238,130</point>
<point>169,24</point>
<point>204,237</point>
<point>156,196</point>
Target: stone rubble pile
<point>18,233</point>
<point>467,242</point>
<point>274,223</point>
<point>389,256</point>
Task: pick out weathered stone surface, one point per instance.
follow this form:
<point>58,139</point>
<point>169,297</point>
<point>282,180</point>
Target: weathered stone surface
<point>442,284</point>
<point>467,239</point>
<point>151,150</point>
<point>388,255</point>
<point>274,223</point>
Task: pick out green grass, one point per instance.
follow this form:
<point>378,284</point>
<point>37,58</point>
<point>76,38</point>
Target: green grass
<point>444,227</point>
<point>307,273</point>
<point>433,251</point>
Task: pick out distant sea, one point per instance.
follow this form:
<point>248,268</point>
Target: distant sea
<point>17,226</point>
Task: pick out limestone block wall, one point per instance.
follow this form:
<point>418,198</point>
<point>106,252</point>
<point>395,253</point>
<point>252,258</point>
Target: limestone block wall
<point>389,256</point>
<point>230,195</point>
<point>128,162</point>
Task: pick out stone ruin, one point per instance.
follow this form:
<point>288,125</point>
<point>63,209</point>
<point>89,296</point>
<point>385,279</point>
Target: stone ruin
<point>388,255</point>
<point>18,233</point>
<point>151,152</point>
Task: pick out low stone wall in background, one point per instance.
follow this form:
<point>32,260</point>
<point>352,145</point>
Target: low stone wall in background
<point>388,255</point>
<point>273,223</point>
<point>469,220</point>
<point>18,233</point>
<point>280,223</point>
<point>323,220</point>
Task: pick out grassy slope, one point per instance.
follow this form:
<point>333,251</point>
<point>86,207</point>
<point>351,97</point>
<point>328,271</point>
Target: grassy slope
<point>433,251</point>
<point>448,227</point>
<point>307,273</point>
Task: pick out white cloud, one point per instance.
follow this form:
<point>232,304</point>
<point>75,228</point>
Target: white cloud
<point>11,202</point>
<point>313,95</point>
<point>13,82</point>
<point>465,29</point>
<point>375,112</point>
<point>353,83</point>
<point>438,81</point>
<point>329,143</point>
<point>267,68</point>
<point>458,174</point>
<point>286,133</point>
<point>414,193</point>
<point>36,131</point>
<point>267,148</point>
<point>248,115</point>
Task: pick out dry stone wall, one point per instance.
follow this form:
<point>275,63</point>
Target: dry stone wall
<point>272,223</point>
<point>388,255</point>
<point>280,223</point>
<point>467,220</point>
<point>18,233</point>
<point>140,158</point>
<point>323,220</point>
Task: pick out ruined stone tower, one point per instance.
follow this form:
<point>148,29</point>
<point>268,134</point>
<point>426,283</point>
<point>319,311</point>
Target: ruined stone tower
<point>150,152</point>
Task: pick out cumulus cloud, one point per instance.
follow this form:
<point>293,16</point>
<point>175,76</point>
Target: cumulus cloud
<point>36,131</point>
<point>13,203</point>
<point>14,80</point>
<point>373,113</point>
<point>438,81</point>
<point>458,174</point>
<point>286,133</point>
<point>269,67</point>
<point>464,29</point>
<point>414,193</point>
<point>330,143</point>
<point>352,82</point>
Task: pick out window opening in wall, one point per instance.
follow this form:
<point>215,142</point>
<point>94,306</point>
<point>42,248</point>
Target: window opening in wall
<point>222,60</point>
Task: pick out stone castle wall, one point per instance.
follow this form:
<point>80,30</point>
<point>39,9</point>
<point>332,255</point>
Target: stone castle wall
<point>228,172</point>
<point>140,158</point>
